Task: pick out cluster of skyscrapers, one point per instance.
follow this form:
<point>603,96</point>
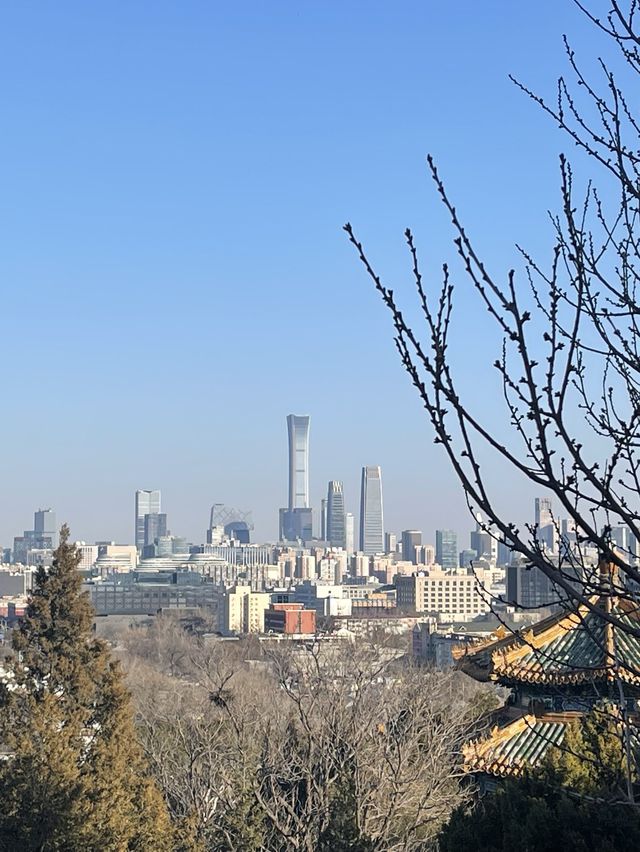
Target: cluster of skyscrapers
<point>337,525</point>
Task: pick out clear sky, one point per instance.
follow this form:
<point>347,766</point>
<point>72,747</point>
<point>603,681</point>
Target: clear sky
<point>173,181</point>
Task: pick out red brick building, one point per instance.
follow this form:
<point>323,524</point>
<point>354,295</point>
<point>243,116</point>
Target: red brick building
<point>289,618</point>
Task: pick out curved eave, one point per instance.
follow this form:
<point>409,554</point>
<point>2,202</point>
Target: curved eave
<point>521,674</point>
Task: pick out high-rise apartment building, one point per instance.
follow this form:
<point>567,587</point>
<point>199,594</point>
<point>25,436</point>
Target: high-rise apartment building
<point>243,610</point>
<point>410,540</point>
<point>390,542</point>
<point>147,503</point>
<point>350,533</point>
<point>336,519</point>
<point>296,521</point>
<point>447,549</point>
<point>371,512</point>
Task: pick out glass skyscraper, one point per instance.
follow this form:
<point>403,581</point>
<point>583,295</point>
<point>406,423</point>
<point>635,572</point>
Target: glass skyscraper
<point>296,521</point>
<point>155,526</point>
<point>298,428</point>
<point>371,513</point>
<point>44,524</point>
<point>336,532</point>
<point>147,503</point>
<point>447,549</point>
<point>410,540</point>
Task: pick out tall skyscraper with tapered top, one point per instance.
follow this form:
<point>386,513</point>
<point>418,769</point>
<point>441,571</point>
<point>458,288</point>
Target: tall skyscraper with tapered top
<point>296,521</point>
<point>336,532</point>
<point>298,428</point>
<point>371,513</point>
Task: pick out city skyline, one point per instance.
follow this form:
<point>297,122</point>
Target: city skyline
<point>148,502</point>
<point>149,247</point>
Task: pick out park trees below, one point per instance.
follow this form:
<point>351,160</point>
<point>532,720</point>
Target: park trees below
<point>75,777</point>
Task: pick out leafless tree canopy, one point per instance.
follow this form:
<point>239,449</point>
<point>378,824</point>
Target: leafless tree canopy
<point>324,747</point>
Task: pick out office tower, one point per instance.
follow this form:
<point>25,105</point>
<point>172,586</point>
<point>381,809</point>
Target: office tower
<point>155,525</point>
<point>336,530</point>
<point>543,513</point>
<point>350,533</point>
<point>323,520</point>
<point>467,557</point>
<point>298,428</point>
<point>296,521</point>
<point>44,525</point>
<point>147,503</point>
<point>390,542</point>
<point>296,525</point>
<point>447,549</point>
<point>529,587</point>
<point>410,540</point>
<point>483,542</point>
<point>371,512</point>
<point>504,553</point>
<point>230,522</point>
<point>546,532</point>
<point>36,546</point>
<point>624,542</point>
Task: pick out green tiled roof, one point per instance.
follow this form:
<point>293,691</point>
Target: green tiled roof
<point>523,742</point>
<point>567,648</point>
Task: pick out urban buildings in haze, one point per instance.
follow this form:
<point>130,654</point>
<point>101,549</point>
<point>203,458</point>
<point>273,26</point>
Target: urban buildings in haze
<point>350,533</point>
<point>390,542</point>
<point>481,540</point>
<point>155,526</point>
<point>44,525</point>
<point>411,539</point>
<point>36,546</point>
<point>546,531</point>
<point>371,512</point>
<point>147,503</point>
<point>336,531</point>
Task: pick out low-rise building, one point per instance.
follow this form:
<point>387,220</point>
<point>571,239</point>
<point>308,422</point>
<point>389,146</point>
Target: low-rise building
<point>290,619</point>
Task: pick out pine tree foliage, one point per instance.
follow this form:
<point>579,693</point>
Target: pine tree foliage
<point>74,777</point>
<point>593,758</point>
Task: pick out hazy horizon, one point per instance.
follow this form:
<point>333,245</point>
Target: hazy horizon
<point>175,182</point>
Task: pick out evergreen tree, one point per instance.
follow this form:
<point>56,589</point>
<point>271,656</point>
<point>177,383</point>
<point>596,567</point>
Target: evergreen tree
<point>75,778</point>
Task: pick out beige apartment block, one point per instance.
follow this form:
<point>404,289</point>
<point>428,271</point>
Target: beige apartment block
<point>457,596</point>
<point>244,610</point>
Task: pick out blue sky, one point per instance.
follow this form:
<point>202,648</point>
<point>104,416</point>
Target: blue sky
<point>175,281</point>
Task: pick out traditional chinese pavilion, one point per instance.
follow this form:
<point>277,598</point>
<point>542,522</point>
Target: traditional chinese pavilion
<point>556,671</point>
